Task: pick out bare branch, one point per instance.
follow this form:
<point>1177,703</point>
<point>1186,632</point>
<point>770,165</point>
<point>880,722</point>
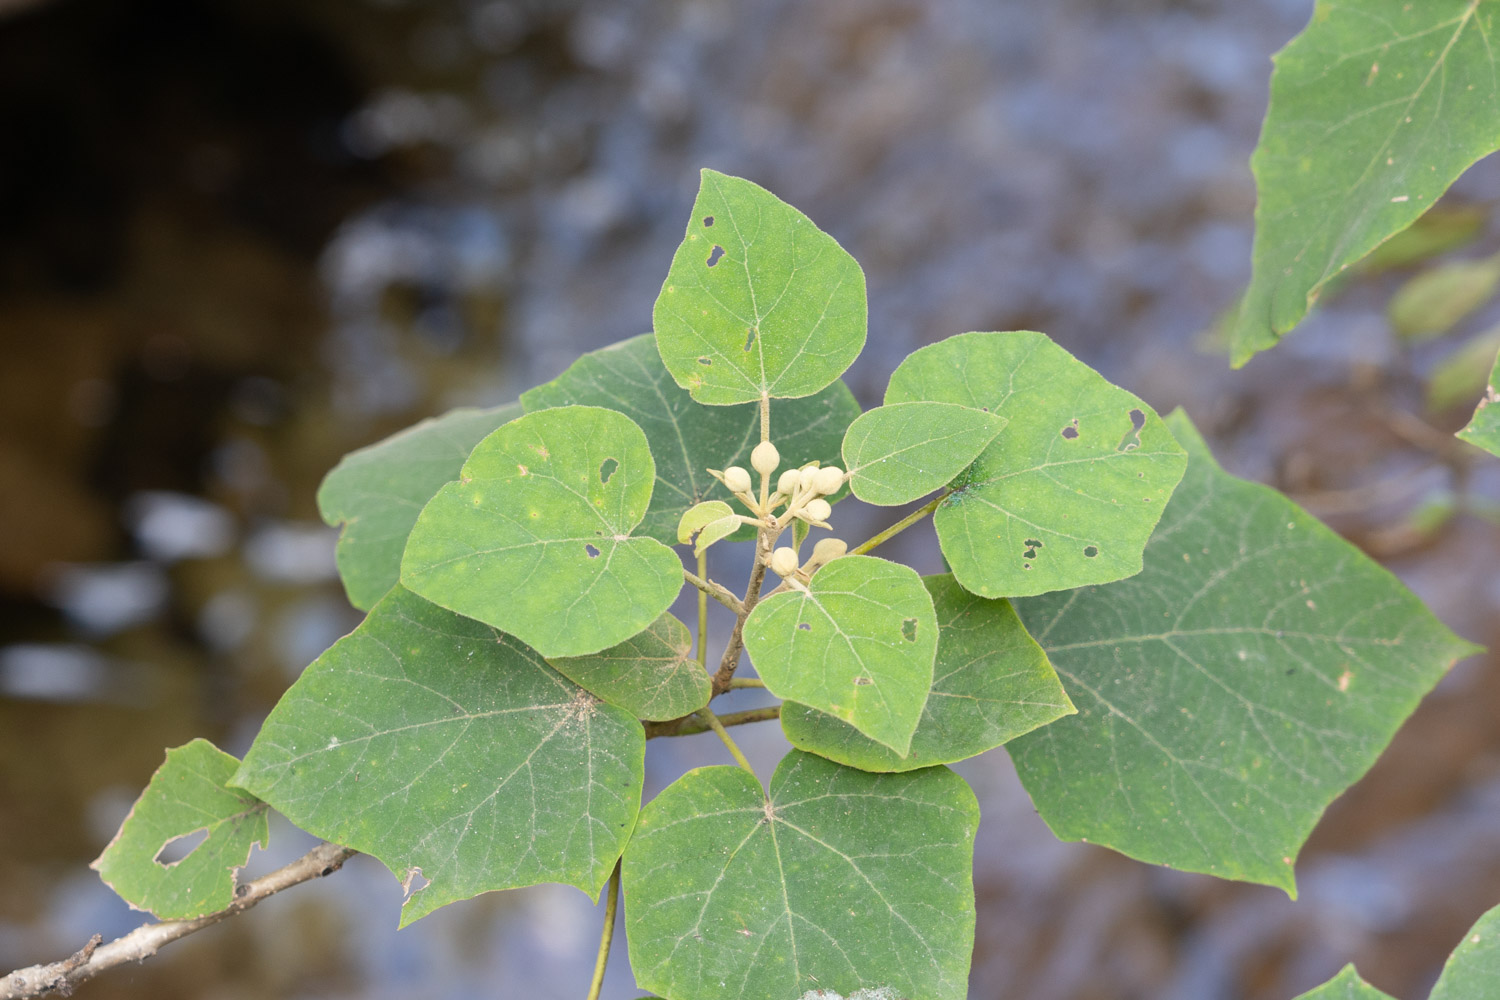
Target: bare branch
<point>143,942</point>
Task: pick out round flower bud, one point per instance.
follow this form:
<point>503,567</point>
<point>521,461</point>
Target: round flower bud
<point>808,476</point>
<point>829,479</point>
<point>817,510</point>
<point>784,561</point>
<point>828,549</point>
<point>765,458</point>
<point>737,479</point>
<point>788,482</point>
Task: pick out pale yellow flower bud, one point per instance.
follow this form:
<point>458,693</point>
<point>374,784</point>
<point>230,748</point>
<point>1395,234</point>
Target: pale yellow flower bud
<point>788,482</point>
<point>737,479</point>
<point>829,479</point>
<point>784,561</point>
<point>765,458</point>
<point>808,476</point>
<point>828,549</point>
<point>817,510</point>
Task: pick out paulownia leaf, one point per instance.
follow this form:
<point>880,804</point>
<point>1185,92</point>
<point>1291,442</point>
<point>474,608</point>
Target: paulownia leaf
<point>839,880</point>
<point>652,675</point>
<point>990,684</point>
<point>450,750</point>
<point>688,438</point>
<point>1252,671</point>
<point>759,302</point>
<point>1345,986</point>
<point>186,797</point>
<point>535,540</point>
<point>1069,493</point>
<point>1484,430</point>
<point>1472,972</point>
<point>857,643</point>
<point>1375,109</point>
<point>377,492</point>
<point>895,454</point>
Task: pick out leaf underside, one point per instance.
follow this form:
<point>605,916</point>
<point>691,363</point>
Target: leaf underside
<point>1252,671</point>
<point>652,675</point>
<point>895,454</point>
<point>1484,430</point>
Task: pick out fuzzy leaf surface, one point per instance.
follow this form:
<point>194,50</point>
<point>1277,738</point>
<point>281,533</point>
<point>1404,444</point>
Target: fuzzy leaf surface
<point>187,795</point>
<point>990,684</point>
<point>858,644</point>
<point>688,438</point>
<point>652,675</point>
<point>439,745</point>
<point>1484,430</point>
<point>838,880</point>
<point>1376,108</point>
<point>759,302</point>
<point>535,537</point>
<point>1254,670</point>
<point>377,492</point>
<point>1069,493</point>
<point>897,453</point>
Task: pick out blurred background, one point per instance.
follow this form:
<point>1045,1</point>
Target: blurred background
<point>238,239</point>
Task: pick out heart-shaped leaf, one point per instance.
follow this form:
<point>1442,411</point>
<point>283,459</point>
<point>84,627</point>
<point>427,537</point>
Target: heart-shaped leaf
<point>857,643</point>
<point>895,454</point>
<point>177,852</point>
<point>839,881</point>
<point>990,684</point>
<point>758,302</point>
<point>451,751</point>
<point>652,675</point>
<point>534,538</point>
<point>1484,430</point>
<point>1068,495</point>
<point>1252,671</point>
<point>377,492</point>
<point>687,438</point>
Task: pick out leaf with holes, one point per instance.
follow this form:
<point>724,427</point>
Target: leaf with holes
<point>652,675</point>
<point>1376,108</point>
<point>377,492</point>
<point>1068,495</point>
<point>1226,695</point>
<point>177,852</point>
<point>535,540</point>
<point>858,643</point>
<point>710,521</point>
<point>1472,972</point>
<point>990,684</point>
<point>452,752</point>
<point>839,881</point>
<point>895,454</point>
<point>758,302</point>
<point>1484,430</point>
<point>688,438</point>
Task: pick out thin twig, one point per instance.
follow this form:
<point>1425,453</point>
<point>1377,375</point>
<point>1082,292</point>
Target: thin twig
<point>746,682</point>
<point>717,591</point>
<point>691,725</point>
<point>607,934</point>
<point>901,525</point>
<point>143,942</point>
<point>731,658</point>
<point>714,723</point>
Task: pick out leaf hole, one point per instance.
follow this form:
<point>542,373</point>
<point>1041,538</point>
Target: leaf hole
<point>749,338</point>
<point>715,254</point>
<point>176,850</point>
<point>705,362</point>
<point>862,681</point>
<point>1032,544</point>
<point>607,469</point>
<point>414,883</point>
<point>593,552</point>
<point>1132,439</point>
<point>909,630</point>
<point>804,627</point>
<point>708,220</point>
<point>1070,432</point>
<point>1090,551</point>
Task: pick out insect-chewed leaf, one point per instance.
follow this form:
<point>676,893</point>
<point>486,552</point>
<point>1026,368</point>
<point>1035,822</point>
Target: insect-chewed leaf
<point>447,749</point>
<point>535,540</point>
<point>895,454</point>
<point>688,438</point>
<point>1069,493</point>
<point>187,796</point>
<point>652,675</point>
<point>839,881</point>
<point>758,302</point>
<point>990,684</point>
<point>1472,972</point>
<point>1484,430</point>
<point>858,643</point>
<point>377,492</point>
<point>1252,671</point>
<point>1375,109</point>
<point>700,517</point>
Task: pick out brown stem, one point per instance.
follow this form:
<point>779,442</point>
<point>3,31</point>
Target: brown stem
<point>691,725</point>
<point>731,659</point>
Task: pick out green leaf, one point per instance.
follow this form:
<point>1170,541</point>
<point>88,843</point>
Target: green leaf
<point>1254,670</point>
<point>1484,430</point>
<point>897,453</point>
<point>652,675</point>
<point>839,881</point>
<point>759,302</point>
<point>990,684</point>
<point>1472,972</point>
<point>1068,495</point>
<point>688,438</point>
<point>700,517</point>
<point>1460,377</point>
<point>857,643</point>
<point>1345,986</point>
<point>186,796</point>
<point>1435,301</point>
<point>377,492</point>
<point>448,749</point>
<point>534,539</point>
<point>1376,108</point>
